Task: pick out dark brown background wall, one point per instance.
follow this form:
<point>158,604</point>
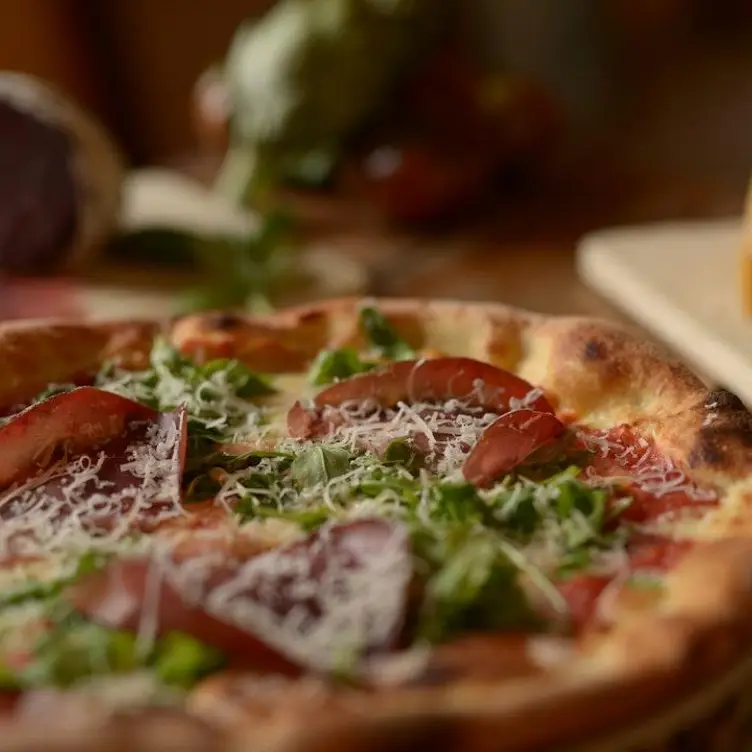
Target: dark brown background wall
<point>678,72</point>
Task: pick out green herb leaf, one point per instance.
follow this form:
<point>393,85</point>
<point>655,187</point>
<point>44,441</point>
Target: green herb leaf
<point>34,590</point>
<point>201,488</point>
<point>181,660</point>
<point>383,337</point>
<point>75,649</point>
<point>243,382</point>
<point>473,586</point>
<point>319,464</point>
<point>54,389</point>
<point>331,365</point>
<point>403,452</point>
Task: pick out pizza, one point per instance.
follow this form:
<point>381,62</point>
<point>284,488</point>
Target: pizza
<point>369,525</point>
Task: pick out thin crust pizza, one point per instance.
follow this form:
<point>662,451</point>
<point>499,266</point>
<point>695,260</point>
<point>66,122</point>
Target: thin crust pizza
<point>369,525</point>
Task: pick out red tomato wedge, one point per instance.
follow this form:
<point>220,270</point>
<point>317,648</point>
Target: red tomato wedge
<point>476,383</point>
<point>81,418</point>
<point>507,442</point>
<point>293,607</point>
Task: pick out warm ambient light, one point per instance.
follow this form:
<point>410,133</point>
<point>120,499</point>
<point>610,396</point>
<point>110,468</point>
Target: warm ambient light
<point>746,256</point>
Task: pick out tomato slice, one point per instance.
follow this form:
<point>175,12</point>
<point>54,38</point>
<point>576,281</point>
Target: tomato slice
<point>476,383</point>
<point>507,442</point>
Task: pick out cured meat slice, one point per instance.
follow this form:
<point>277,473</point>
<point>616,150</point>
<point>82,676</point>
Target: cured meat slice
<point>87,462</point>
<point>336,594</point>
<point>507,442</point>
<point>473,382</point>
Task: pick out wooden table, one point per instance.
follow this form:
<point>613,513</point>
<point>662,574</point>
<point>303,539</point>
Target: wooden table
<point>516,249</point>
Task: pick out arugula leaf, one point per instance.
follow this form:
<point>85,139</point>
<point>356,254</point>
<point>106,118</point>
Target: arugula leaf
<point>319,464</point>
<point>52,390</point>
<point>308,519</point>
<point>383,337</point>
<point>473,585</point>
<point>35,590</point>
<point>403,452</point>
<point>180,660</point>
<point>75,649</point>
<point>233,463</point>
<point>243,271</point>
<point>213,393</point>
<point>331,365</point>
<point>459,502</point>
<point>243,382</point>
<point>201,488</point>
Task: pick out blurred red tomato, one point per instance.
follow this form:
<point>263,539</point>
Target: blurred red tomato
<point>525,119</point>
<point>416,181</point>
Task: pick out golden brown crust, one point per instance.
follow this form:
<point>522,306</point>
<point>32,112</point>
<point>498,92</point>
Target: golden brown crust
<point>35,354</point>
<point>692,651</point>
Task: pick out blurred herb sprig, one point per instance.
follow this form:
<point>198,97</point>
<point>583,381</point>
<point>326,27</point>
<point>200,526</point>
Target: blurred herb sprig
<point>241,272</point>
<point>237,271</point>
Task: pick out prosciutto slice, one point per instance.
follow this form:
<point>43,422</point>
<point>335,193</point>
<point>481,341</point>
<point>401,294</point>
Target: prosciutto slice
<point>339,593</point>
<point>507,443</point>
<point>476,384</point>
<point>87,462</point>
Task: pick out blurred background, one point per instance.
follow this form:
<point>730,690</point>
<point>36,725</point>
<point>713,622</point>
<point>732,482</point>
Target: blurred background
<point>482,149</point>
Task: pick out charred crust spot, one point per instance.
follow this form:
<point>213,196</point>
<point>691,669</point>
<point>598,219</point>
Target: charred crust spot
<point>595,350</point>
<point>705,454</point>
<point>722,399</point>
<point>224,322</point>
<point>722,438</point>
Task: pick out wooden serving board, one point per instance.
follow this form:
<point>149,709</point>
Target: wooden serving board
<point>680,281</point>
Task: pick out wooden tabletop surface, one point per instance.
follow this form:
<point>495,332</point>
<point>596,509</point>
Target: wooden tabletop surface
<point>516,249</point>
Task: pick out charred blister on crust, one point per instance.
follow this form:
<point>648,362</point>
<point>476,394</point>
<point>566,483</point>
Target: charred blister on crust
<point>723,440</point>
<point>722,399</point>
<point>595,350</point>
<point>224,321</point>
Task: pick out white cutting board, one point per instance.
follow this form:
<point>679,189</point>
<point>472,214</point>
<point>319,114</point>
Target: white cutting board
<point>681,281</point>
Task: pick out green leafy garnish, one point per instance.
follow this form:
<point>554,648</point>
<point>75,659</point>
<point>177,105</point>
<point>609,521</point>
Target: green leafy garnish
<point>383,337</point>
<point>216,394</point>
<point>403,452</point>
<point>331,365</point>
<point>181,660</point>
<point>473,585</point>
<point>319,464</point>
<point>53,390</point>
<point>242,272</point>
<point>43,590</point>
<point>75,649</point>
